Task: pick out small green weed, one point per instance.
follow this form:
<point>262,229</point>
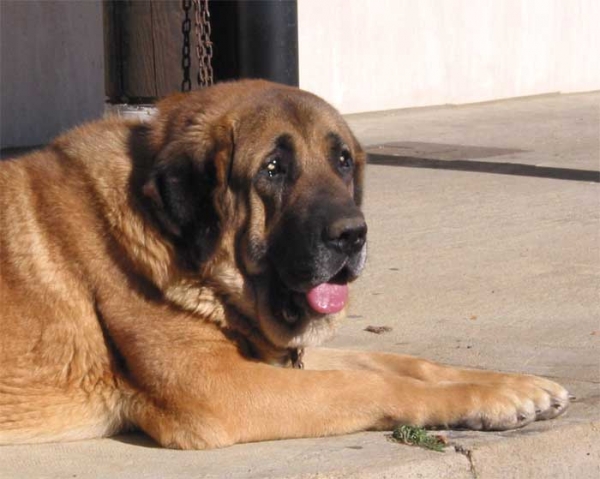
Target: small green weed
<point>417,436</point>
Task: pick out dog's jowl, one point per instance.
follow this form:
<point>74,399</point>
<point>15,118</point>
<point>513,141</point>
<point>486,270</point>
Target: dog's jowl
<point>175,276</point>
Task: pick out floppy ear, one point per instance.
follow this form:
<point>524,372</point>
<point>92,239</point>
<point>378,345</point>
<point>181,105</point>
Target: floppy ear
<point>181,193</point>
<point>190,144</point>
<point>359,171</point>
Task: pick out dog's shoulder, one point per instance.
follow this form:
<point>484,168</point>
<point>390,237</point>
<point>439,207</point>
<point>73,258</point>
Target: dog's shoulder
<point>97,144</point>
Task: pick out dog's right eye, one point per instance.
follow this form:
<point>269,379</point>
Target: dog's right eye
<point>274,168</point>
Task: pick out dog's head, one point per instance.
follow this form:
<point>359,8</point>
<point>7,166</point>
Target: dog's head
<point>258,186</point>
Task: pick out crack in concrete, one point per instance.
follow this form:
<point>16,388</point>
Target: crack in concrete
<point>468,453</point>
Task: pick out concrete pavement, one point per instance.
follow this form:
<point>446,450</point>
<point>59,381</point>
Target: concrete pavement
<point>490,266</point>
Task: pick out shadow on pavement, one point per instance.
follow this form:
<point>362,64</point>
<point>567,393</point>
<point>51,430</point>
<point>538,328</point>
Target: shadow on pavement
<point>463,158</point>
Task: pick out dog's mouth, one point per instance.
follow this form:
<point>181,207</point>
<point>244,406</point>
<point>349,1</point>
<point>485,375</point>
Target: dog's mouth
<point>329,297</point>
<point>332,296</point>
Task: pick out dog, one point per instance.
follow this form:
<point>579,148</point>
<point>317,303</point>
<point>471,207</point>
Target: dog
<point>175,277</point>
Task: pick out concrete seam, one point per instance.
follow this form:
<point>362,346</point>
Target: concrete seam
<point>468,453</point>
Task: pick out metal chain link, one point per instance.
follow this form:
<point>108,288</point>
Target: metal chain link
<point>186,60</point>
<point>204,47</point>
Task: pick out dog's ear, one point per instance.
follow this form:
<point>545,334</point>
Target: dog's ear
<point>182,189</point>
<point>359,170</point>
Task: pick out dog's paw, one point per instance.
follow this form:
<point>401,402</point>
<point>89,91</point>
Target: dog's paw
<point>510,404</point>
<point>551,402</point>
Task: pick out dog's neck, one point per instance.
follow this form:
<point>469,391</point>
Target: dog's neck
<point>209,306</point>
<point>254,344</point>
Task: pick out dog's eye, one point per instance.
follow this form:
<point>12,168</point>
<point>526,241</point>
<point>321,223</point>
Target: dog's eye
<point>274,168</point>
<point>345,161</point>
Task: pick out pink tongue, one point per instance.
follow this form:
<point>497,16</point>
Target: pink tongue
<point>328,298</point>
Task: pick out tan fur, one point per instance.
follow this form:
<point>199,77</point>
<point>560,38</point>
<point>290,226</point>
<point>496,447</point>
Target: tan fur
<point>102,330</point>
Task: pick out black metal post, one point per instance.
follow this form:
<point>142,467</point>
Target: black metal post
<point>268,40</point>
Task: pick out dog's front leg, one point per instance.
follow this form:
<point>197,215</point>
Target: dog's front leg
<point>550,399</point>
<point>207,404</point>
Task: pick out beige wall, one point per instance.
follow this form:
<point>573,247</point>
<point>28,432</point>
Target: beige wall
<point>362,55</point>
<point>367,55</point>
<point>51,68</point>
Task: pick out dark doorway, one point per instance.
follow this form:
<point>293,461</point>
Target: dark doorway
<point>144,45</point>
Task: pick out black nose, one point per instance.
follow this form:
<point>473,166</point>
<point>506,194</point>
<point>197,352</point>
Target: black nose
<point>347,235</point>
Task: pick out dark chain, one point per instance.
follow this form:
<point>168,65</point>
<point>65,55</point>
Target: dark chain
<point>186,60</point>
<point>204,47</point>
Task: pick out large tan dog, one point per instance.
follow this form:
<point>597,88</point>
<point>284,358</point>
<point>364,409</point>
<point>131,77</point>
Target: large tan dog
<point>168,277</point>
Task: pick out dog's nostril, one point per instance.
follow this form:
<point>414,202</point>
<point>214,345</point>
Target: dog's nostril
<point>347,235</point>
<point>355,236</point>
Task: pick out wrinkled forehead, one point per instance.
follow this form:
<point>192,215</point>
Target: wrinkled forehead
<point>295,120</point>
